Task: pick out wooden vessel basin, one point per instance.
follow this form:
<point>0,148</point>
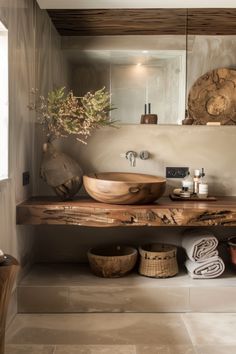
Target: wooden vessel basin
<point>124,188</point>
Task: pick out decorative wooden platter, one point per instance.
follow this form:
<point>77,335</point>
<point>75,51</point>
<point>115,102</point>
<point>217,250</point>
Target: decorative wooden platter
<point>192,198</point>
<point>212,98</point>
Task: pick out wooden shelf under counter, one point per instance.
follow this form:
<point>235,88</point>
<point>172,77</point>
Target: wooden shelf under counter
<point>88,212</point>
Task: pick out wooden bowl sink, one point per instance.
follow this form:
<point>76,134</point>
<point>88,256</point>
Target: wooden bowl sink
<point>124,188</point>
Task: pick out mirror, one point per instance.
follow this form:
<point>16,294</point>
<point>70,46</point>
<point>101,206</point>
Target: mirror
<point>144,65</point>
<point>138,80</point>
<point>108,44</point>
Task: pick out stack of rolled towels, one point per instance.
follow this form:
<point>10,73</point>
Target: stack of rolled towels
<point>203,258</point>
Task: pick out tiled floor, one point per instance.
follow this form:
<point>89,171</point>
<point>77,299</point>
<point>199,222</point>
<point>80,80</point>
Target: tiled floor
<point>189,333</point>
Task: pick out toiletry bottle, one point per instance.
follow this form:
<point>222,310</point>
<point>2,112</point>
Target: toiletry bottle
<point>188,182</point>
<point>196,181</point>
<point>203,186</point>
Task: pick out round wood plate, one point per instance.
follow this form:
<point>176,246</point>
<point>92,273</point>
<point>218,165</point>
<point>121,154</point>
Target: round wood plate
<point>212,98</point>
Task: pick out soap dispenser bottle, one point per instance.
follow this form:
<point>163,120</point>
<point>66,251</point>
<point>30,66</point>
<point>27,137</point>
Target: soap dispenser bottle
<point>196,181</point>
<point>187,182</point>
<point>203,186</point>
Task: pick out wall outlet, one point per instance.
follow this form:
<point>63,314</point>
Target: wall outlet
<point>176,172</point>
<point>25,178</point>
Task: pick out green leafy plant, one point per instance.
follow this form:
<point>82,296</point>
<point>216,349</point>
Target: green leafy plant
<point>63,114</point>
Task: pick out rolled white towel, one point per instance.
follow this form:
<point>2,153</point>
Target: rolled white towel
<point>199,245</point>
<point>210,268</point>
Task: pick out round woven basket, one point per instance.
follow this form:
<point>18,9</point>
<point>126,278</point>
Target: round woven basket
<point>158,260</point>
<point>112,261</point>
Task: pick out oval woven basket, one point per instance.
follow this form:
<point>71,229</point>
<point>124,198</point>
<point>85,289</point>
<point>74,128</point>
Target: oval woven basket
<point>158,260</point>
<point>113,261</point>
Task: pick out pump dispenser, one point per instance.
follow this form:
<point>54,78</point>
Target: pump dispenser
<point>203,186</point>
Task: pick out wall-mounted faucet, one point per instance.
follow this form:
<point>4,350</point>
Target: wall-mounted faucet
<point>131,156</point>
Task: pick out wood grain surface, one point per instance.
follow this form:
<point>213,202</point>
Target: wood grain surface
<point>211,22</point>
<point>87,212</point>
<point>8,271</point>
<point>95,22</point>
<point>101,22</point>
<point>212,98</point>
<point>124,188</point>
<point>113,261</point>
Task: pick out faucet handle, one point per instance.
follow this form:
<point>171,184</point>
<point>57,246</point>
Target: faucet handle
<point>144,155</point>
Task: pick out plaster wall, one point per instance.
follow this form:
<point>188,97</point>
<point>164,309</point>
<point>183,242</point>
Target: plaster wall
<point>34,61</point>
<point>195,146</point>
<point>18,17</point>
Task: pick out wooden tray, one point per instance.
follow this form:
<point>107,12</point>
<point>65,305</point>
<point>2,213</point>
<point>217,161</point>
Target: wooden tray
<point>192,198</point>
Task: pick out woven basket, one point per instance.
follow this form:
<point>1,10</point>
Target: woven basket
<point>158,260</point>
<point>113,261</point>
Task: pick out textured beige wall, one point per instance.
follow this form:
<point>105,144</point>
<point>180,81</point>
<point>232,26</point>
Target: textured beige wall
<point>194,146</point>
<point>18,16</point>
<point>209,52</point>
<point>29,29</point>
<point>51,72</point>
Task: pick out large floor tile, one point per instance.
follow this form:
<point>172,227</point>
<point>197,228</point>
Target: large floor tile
<point>95,349</point>
<point>165,349</point>
<point>116,328</point>
<point>209,299</point>
<point>211,328</point>
<point>29,349</point>
<point>219,349</point>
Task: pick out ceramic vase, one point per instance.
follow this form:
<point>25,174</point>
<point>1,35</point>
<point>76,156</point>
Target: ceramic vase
<point>60,172</point>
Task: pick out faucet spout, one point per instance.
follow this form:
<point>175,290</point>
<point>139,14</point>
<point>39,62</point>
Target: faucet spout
<point>131,156</point>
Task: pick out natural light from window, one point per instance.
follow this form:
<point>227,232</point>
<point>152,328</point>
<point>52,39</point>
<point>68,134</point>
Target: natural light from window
<point>4,112</point>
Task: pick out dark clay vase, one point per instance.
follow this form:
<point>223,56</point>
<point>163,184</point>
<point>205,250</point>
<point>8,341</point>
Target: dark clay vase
<point>60,172</point>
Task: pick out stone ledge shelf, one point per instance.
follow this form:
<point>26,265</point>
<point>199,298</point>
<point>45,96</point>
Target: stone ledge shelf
<point>87,212</point>
<point>68,288</point>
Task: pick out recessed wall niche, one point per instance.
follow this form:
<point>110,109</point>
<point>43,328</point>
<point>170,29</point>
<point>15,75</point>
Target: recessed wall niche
<point>208,42</point>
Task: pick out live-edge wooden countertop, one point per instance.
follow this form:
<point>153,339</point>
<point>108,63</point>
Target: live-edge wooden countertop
<point>88,212</point>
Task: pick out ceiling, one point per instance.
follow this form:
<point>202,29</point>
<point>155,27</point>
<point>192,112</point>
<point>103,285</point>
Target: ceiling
<point>108,22</point>
<point>125,4</point>
<point>119,22</point>
<point>141,17</point>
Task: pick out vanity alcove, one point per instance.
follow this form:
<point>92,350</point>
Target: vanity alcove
<point>169,49</point>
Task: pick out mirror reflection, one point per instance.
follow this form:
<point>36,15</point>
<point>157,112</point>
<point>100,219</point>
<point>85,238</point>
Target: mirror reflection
<point>148,78</point>
<point>143,63</point>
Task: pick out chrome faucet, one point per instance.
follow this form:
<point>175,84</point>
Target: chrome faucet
<point>131,156</point>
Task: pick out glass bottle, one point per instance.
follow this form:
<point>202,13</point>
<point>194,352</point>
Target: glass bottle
<point>187,182</point>
<point>203,186</point>
<point>196,181</point>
